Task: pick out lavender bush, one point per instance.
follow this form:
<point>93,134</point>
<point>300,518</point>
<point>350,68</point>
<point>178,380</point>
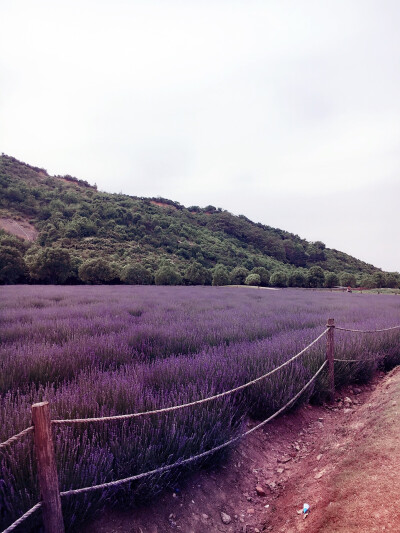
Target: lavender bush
<point>97,351</point>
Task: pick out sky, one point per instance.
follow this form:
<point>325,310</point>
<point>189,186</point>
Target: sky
<point>285,111</point>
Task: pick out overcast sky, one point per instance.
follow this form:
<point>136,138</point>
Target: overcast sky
<point>285,111</point>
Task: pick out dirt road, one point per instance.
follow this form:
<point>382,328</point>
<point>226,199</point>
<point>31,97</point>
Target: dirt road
<point>343,460</point>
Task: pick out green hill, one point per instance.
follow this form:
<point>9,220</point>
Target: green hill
<point>73,233</point>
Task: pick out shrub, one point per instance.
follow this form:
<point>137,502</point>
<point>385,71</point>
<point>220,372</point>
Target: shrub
<point>316,277</point>
<point>196,274</point>
<point>279,279</point>
<point>238,275</point>
<point>367,282</point>
<point>297,279</point>
<point>331,280</point>
<point>347,280</point>
<point>136,274</point>
<point>96,271</point>
<point>49,265</point>
<point>167,275</point>
<point>220,276</point>
<point>12,265</point>
<point>253,279</point>
<point>264,275</point>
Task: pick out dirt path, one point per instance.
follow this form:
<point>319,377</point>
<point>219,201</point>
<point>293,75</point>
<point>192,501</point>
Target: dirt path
<point>364,491</point>
<point>342,460</point>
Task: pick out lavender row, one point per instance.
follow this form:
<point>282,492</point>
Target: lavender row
<point>97,351</point>
<point>84,327</point>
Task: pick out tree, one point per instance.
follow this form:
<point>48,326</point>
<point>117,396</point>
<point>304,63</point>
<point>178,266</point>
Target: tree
<point>316,251</point>
<point>49,265</point>
<point>275,248</point>
<point>295,253</point>
<point>76,262</point>
<point>238,275</point>
<point>12,265</point>
<point>393,280</point>
<point>347,279</point>
<point>136,274</point>
<point>167,275</point>
<point>220,275</point>
<point>331,280</point>
<point>13,242</point>
<point>196,274</point>
<point>96,271</point>
<point>297,278</point>
<point>278,279</point>
<point>264,275</point>
<point>316,277</point>
<point>367,282</point>
<point>14,194</point>
<point>80,227</point>
<point>253,280</point>
<point>300,256</point>
<point>379,280</point>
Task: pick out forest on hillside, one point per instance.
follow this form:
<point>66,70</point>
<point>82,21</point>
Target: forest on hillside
<point>88,236</point>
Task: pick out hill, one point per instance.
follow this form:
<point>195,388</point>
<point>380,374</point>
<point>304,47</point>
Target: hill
<point>69,232</point>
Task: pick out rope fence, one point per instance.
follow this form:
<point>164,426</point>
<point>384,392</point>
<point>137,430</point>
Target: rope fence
<point>42,424</point>
<point>362,331</point>
<point>366,330</point>
<point>357,360</point>
<point>23,518</point>
<point>16,437</point>
<point>200,455</point>
<point>190,404</point>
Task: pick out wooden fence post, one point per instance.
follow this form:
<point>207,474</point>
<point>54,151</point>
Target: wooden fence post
<point>47,469</point>
<point>330,350</point>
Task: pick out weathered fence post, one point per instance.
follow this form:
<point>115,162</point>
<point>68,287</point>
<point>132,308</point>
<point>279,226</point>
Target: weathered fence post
<point>330,349</point>
<point>47,469</point>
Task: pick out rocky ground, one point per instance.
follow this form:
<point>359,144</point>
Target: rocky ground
<point>340,459</point>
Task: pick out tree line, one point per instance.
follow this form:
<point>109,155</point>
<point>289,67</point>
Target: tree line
<point>20,263</point>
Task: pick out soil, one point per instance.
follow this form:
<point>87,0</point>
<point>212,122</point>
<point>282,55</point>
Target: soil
<point>252,287</point>
<point>341,459</point>
<point>162,204</point>
<point>20,228</point>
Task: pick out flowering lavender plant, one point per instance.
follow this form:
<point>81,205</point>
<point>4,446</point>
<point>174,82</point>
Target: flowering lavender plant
<point>99,351</point>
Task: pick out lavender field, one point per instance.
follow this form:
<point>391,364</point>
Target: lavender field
<point>97,351</point>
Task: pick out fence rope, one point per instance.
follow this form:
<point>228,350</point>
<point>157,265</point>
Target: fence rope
<point>22,518</point>
<point>190,404</point>
<point>357,360</point>
<point>16,437</point>
<point>162,469</point>
<point>196,457</point>
<point>366,330</point>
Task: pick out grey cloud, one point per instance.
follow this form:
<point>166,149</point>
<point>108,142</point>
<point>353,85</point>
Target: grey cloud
<point>287,112</point>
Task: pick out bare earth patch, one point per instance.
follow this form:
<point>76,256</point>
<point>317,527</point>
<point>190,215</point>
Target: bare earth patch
<point>162,204</point>
<point>342,459</point>
<point>20,228</point>
<point>251,287</point>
